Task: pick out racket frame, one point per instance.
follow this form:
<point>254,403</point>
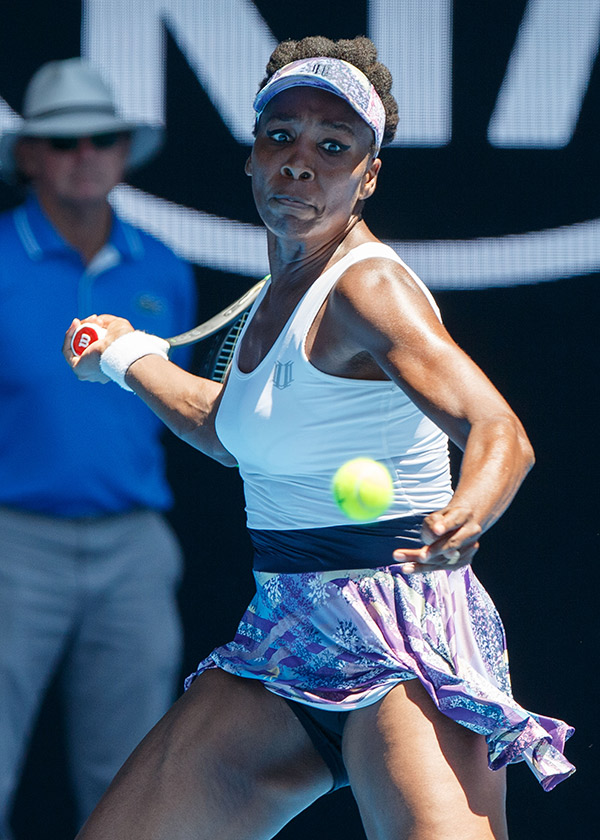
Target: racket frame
<point>222,319</point>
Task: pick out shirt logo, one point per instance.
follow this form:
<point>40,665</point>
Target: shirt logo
<point>282,375</point>
<point>151,304</point>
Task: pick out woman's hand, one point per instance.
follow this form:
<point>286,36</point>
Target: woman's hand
<point>451,541</point>
<point>87,366</point>
<point>186,404</point>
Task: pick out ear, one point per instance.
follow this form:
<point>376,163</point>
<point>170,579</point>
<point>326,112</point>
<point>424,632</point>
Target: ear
<point>26,157</point>
<point>370,179</point>
<point>248,166</point>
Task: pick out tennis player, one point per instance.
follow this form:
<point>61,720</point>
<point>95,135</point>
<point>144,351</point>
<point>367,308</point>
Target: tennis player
<point>371,655</point>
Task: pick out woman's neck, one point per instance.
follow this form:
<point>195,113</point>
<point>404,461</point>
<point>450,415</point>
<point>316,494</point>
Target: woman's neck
<point>300,262</point>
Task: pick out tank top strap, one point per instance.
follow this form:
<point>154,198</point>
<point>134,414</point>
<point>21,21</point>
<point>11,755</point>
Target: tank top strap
<point>320,289</point>
<point>296,330</point>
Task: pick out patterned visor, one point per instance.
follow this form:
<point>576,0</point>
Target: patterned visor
<point>336,76</point>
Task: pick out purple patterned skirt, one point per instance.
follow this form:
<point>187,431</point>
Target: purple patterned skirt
<point>340,640</point>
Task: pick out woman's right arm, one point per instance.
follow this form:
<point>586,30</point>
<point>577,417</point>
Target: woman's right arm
<point>186,404</point>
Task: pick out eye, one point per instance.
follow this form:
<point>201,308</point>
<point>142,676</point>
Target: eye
<point>334,147</point>
<point>279,135</point>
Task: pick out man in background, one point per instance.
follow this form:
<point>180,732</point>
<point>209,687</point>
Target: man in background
<point>89,567</point>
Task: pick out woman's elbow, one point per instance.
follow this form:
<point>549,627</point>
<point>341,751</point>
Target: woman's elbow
<point>525,449</point>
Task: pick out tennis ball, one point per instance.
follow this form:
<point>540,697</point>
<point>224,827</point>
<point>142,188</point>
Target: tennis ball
<point>362,489</point>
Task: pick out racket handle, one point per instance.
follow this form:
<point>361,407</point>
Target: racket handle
<point>84,335</point>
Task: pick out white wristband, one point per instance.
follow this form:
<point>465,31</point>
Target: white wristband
<point>127,349</point>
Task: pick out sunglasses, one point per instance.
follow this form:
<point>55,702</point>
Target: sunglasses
<point>98,141</point>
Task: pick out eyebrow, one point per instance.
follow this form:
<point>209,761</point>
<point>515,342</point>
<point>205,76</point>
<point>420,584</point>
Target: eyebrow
<point>283,116</point>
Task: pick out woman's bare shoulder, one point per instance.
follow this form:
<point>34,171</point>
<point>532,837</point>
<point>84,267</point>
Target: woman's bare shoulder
<point>381,287</point>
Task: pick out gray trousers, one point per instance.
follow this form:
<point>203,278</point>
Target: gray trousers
<point>97,596</point>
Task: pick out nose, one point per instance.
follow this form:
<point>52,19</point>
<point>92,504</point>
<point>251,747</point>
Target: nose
<point>297,172</point>
<point>85,147</point>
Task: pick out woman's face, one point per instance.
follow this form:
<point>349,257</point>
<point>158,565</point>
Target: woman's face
<point>310,164</point>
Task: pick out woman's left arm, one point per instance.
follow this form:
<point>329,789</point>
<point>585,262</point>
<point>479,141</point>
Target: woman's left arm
<point>392,320</point>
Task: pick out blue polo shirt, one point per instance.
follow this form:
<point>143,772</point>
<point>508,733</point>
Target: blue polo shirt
<point>70,448</point>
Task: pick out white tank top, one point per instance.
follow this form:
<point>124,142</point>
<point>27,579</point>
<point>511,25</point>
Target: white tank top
<point>291,426</point>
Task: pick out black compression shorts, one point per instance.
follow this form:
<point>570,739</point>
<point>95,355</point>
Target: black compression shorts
<point>325,730</point>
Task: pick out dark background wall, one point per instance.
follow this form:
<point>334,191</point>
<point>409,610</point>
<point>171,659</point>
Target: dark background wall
<point>537,342</point>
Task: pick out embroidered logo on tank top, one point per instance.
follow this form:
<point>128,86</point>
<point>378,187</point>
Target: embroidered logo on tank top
<point>282,375</point>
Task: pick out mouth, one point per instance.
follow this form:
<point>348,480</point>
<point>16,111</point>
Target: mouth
<point>87,175</point>
<point>292,202</point>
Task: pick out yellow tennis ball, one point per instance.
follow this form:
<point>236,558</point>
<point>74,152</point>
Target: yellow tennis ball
<point>362,489</point>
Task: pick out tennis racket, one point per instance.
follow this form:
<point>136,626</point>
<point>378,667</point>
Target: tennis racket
<point>224,328</point>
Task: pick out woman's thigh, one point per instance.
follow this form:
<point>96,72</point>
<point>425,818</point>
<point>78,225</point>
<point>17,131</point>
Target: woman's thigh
<point>229,761</point>
<point>417,775</point>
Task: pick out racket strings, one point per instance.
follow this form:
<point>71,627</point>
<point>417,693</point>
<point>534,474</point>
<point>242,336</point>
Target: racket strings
<point>226,349</point>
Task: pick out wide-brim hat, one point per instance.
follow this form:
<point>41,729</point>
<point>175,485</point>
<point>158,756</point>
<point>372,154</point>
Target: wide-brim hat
<point>70,99</point>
